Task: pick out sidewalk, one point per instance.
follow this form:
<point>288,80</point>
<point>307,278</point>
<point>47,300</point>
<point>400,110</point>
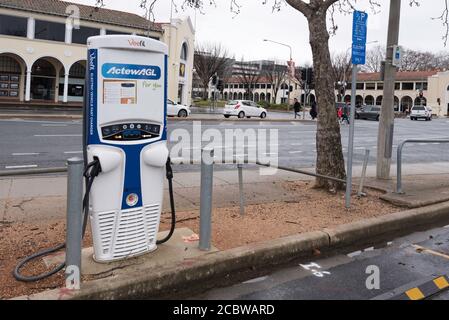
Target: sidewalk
<point>33,198</point>
<point>285,219</point>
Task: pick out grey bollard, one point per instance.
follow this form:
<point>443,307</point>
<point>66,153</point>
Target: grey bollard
<point>75,168</point>
<point>207,175</point>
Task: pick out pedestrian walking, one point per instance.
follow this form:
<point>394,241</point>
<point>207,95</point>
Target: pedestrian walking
<point>340,114</point>
<point>297,108</point>
<point>313,111</point>
<point>346,112</point>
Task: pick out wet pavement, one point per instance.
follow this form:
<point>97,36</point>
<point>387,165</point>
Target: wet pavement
<point>398,266</point>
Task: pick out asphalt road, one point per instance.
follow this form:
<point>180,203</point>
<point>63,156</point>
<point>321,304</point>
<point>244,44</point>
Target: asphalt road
<point>400,267</point>
<point>48,143</point>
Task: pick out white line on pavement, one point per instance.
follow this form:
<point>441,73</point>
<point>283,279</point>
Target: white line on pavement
<point>54,125</point>
<point>26,154</point>
<point>21,167</point>
<point>57,135</point>
<point>294,152</point>
<point>73,152</point>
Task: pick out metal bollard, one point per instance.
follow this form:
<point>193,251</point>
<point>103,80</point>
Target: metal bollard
<point>362,179</point>
<point>242,195</point>
<point>75,167</point>
<point>207,175</point>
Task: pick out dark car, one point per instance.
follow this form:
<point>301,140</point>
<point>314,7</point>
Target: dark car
<point>368,113</point>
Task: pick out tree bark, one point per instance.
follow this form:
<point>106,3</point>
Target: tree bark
<point>330,160</point>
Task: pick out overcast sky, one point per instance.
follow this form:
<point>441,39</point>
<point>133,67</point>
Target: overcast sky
<point>243,34</point>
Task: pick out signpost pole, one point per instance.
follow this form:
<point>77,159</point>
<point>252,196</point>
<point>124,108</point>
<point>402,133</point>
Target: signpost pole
<point>359,32</point>
<point>351,137</point>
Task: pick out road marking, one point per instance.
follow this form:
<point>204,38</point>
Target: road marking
<point>441,283</point>
<point>73,152</point>
<point>430,251</point>
<point>26,154</point>
<point>58,135</point>
<point>54,125</point>
<point>21,167</point>
<point>296,144</point>
<point>415,294</point>
<point>294,152</point>
<point>38,121</point>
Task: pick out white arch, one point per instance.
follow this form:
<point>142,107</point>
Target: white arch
<point>58,71</point>
<point>47,56</point>
<point>75,62</point>
<point>17,54</point>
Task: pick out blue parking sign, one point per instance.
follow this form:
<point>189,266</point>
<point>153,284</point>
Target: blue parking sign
<point>359,32</point>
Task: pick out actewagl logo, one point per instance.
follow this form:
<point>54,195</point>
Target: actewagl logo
<point>130,71</point>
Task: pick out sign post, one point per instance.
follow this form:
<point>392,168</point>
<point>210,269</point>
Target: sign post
<point>359,32</point>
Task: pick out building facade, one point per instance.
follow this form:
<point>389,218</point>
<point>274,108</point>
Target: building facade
<point>411,88</point>
<point>43,48</point>
<point>262,90</point>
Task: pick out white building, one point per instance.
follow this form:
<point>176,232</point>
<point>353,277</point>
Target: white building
<point>43,52</point>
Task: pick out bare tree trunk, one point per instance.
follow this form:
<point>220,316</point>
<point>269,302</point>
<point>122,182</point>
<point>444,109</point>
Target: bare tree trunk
<point>330,160</point>
<point>205,91</point>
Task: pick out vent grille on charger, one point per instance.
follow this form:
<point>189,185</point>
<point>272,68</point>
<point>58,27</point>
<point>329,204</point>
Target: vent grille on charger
<point>106,222</point>
<point>136,231</point>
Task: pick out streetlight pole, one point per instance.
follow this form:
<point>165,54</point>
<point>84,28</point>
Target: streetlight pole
<point>289,67</point>
<point>386,122</point>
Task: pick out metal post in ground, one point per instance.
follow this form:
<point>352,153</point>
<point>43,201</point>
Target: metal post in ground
<point>242,195</point>
<point>362,178</point>
<point>207,175</point>
<point>75,168</point>
<point>386,121</point>
<point>351,138</point>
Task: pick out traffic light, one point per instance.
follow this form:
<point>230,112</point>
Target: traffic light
<point>309,76</point>
<point>303,74</point>
<point>220,85</point>
<point>214,80</point>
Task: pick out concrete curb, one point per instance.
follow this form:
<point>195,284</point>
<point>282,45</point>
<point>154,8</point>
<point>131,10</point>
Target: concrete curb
<point>62,116</point>
<point>264,254</point>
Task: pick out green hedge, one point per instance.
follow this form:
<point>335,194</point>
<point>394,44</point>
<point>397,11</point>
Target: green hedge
<point>208,103</point>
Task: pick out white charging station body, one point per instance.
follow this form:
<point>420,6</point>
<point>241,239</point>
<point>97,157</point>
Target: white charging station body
<point>125,129</point>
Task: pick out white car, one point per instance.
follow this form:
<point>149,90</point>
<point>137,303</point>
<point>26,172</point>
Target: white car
<point>421,112</point>
<point>244,108</point>
<point>177,110</point>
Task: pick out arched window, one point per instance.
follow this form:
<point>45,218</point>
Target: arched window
<point>184,52</point>
<point>379,100</point>
<point>369,100</point>
<point>262,96</point>
<point>225,95</point>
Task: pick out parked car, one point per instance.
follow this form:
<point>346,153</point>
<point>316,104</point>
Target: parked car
<point>421,112</point>
<point>244,108</point>
<point>177,110</point>
<point>368,113</point>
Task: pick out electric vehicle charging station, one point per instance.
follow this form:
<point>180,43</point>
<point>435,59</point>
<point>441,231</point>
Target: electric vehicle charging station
<point>125,130</point>
<point>125,150</point>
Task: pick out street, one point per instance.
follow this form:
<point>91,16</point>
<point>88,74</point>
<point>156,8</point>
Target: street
<point>403,263</point>
<point>48,143</point>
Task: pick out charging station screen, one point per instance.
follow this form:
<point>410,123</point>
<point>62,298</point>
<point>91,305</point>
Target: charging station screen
<point>131,92</point>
